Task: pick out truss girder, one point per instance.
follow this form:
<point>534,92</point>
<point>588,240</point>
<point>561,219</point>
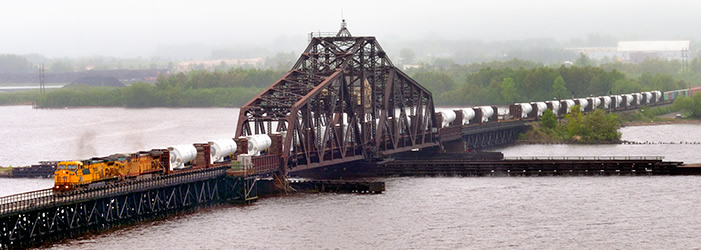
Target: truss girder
<point>342,101</point>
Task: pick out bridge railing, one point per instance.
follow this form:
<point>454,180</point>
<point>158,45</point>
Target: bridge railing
<point>24,199</point>
<point>47,197</point>
<point>585,158</point>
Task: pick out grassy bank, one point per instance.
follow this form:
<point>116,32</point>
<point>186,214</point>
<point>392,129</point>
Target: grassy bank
<point>135,95</point>
<point>19,97</point>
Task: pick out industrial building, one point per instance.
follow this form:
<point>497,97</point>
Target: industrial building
<point>638,51</point>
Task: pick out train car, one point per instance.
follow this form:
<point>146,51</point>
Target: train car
<point>71,175</point>
<point>695,91</point>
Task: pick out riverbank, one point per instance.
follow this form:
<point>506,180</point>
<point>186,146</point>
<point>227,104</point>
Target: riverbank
<point>662,122</point>
<point>5,171</point>
<point>661,119</point>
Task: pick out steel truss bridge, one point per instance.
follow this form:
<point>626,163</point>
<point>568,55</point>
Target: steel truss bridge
<point>344,101</point>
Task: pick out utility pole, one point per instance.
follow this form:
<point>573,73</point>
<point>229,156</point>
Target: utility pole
<point>42,84</point>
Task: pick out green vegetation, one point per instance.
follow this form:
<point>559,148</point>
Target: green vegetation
<point>21,97</point>
<point>647,114</point>
<point>690,105</point>
<point>493,83</point>
<point>509,85</point>
<point>548,120</point>
<point>5,171</point>
<point>195,89</point>
<point>595,127</point>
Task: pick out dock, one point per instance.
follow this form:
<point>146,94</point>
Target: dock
<point>536,166</point>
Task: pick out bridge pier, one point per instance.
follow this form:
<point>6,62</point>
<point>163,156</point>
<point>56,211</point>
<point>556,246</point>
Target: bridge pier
<point>456,146</point>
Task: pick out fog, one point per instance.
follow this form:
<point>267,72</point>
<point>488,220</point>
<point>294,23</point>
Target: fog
<point>159,28</point>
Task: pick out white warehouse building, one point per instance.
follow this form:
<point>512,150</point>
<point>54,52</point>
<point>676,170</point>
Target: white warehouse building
<point>638,51</point>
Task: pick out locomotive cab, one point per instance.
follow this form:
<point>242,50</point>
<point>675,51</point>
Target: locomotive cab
<point>67,175</point>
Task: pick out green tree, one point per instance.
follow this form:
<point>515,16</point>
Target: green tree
<point>141,94</point>
<point>575,126</point>
<point>597,126</point>
<point>583,61</point>
<point>695,65</point>
<point>435,81</point>
<point>662,82</point>
<point>692,105</point>
<point>559,89</point>
<point>508,90</point>
<point>625,86</point>
<point>548,120</point>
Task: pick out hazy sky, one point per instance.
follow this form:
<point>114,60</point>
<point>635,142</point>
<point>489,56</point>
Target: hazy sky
<point>128,28</point>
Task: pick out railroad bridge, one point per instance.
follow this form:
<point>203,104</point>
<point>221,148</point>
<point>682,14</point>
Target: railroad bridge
<point>342,105</point>
<point>344,101</point>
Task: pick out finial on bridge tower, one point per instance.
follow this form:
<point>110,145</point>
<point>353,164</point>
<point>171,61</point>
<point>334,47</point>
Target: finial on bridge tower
<point>344,31</point>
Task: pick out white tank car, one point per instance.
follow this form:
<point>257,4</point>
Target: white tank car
<point>658,95</point>
<point>607,101</point>
<point>219,149</point>
<point>526,109</point>
<point>648,97</point>
<point>629,100</point>
<point>583,103</point>
<point>467,115</point>
<point>448,117</point>
<point>555,105</point>
<point>487,113</point>
<point>618,101</point>
<point>570,103</point>
<point>181,155</point>
<point>258,143</point>
<point>639,97</point>
<point>541,108</point>
<point>596,102</point>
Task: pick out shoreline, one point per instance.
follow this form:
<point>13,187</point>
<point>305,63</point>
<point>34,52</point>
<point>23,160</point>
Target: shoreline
<point>663,122</point>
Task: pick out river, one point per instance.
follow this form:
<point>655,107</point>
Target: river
<point>486,212</point>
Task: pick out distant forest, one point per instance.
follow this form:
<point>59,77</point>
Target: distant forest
<point>498,82</point>
<point>202,88</point>
<point>507,82</point>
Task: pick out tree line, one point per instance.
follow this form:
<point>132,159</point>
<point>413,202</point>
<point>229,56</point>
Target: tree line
<point>202,88</point>
<point>460,85</point>
<point>506,85</point>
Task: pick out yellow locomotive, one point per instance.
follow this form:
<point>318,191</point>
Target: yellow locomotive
<point>70,175</point>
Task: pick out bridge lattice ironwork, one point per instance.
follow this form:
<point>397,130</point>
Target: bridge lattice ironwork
<point>342,101</point>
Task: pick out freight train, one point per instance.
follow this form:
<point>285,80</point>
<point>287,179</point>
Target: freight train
<point>97,171</point>
<point>534,110</point>
<point>262,153</point>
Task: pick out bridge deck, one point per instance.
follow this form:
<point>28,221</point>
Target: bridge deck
<point>534,166</point>
<point>47,197</point>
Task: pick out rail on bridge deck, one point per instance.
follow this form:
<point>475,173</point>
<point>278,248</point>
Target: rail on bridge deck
<point>31,218</point>
<point>342,101</point>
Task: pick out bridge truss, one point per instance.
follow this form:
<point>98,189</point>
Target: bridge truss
<point>342,101</point>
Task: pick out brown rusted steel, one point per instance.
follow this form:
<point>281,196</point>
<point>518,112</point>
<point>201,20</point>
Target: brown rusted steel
<point>342,101</point>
